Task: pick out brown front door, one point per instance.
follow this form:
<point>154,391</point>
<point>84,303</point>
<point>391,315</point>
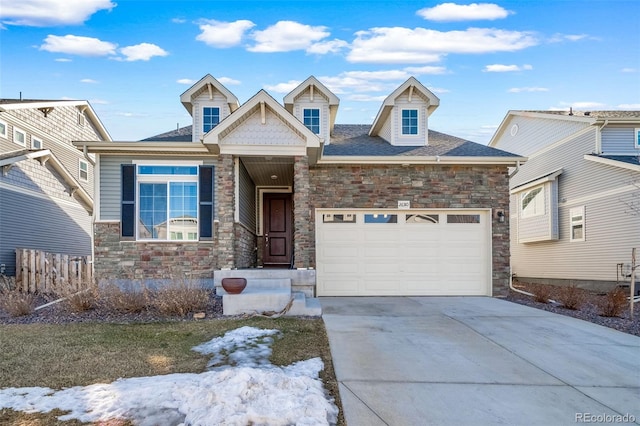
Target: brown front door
<point>277,230</point>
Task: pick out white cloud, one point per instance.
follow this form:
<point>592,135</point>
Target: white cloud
<point>426,70</point>
<point>366,98</point>
<point>178,20</point>
<point>527,89</point>
<point>78,45</point>
<point>377,75</point>
<point>628,106</point>
<point>559,37</point>
<point>223,34</point>
<point>588,105</point>
<point>421,45</point>
<point>286,36</point>
<point>324,47</point>
<point>42,13</point>
<point>142,52</point>
<point>459,12</point>
<point>88,81</point>
<point>629,70</point>
<point>63,60</point>
<point>438,90</point>
<point>228,81</point>
<point>506,68</point>
<point>186,81</point>
<point>283,87</point>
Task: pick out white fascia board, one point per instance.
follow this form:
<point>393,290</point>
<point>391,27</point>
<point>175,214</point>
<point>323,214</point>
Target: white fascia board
<point>36,105</point>
<point>25,156</point>
<point>160,148</point>
<point>615,163</point>
<point>508,161</point>
<point>536,181</point>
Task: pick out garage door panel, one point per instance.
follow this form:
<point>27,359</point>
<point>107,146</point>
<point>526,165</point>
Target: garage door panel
<point>405,258</point>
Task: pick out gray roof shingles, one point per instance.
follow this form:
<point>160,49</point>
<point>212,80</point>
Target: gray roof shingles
<point>593,114</point>
<point>354,140</point>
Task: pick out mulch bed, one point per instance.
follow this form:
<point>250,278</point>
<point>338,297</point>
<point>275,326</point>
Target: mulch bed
<point>58,314</point>
<point>589,311</point>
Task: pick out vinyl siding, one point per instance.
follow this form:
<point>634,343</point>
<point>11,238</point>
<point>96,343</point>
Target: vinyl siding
<point>619,140</point>
<point>543,227</point>
<point>252,132</point>
<point>419,103</point>
<point>610,231</point>
<point>536,133</point>
<point>320,102</point>
<point>203,100</point>
<point>56,131</point>
<point>385,131</point>
<point>37,212</point>
<point>247,199</point>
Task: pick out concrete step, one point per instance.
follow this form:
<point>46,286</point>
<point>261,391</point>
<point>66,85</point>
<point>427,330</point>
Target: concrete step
<point>267,300</point>
<point>305,306</point>
<point>256,284</point>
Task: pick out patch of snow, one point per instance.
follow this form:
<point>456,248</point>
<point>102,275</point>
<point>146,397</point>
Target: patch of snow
<point>251,392</point>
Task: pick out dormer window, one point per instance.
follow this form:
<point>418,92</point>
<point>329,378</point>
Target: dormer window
<point>311,119</point>
<point>210,118</point>
<point>409,121</point>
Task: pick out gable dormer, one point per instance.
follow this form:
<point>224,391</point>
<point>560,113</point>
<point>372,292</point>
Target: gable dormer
<point>403,117</point>
<point>208,102</point>
<point>315,106</point>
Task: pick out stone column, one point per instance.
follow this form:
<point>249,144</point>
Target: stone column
<point>302,238</point>
<point>225,192</point>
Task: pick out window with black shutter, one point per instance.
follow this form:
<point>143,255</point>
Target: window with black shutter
<point>128,205</point>
<point>206,184</point>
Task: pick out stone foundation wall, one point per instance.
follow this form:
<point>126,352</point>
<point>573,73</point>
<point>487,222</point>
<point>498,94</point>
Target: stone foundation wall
<point>425,186</point>
<point>115,259</point>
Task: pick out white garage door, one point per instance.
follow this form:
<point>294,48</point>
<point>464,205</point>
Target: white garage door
<point>403,252</point>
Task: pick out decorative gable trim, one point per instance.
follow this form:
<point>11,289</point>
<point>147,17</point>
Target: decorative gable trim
<point>208,84</point>
<point>388,121</point>
<point>263,106</point>
<point>315,89</point>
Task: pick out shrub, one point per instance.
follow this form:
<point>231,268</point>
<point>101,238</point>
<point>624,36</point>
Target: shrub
<point>17,303</point>
<point>77,300</point>
<point>571,297</point>
<point>614,303</point>
<point>181,298</point>
<point>128,297</point>
<point>541,293</point>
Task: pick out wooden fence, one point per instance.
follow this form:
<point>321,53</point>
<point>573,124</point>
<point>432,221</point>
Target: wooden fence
<point>38,271</point>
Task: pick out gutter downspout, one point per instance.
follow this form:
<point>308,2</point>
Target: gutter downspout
<point>599,137</point>
<point>522,291</point>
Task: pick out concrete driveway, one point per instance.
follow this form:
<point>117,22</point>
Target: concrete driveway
<point>477,361</point>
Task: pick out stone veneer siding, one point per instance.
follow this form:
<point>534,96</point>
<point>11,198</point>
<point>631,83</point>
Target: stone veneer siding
<point>426,186</point>
<point>224,231</point>
<point>117,259</point>
<point>302,236</point>
<point>245,247</point>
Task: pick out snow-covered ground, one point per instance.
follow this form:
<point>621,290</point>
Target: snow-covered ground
<point>240,387</point>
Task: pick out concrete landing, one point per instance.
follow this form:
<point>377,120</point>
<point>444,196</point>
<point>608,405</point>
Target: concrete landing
<point>269,296</point>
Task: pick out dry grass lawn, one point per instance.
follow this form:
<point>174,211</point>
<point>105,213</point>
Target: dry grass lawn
<point>59,356</point>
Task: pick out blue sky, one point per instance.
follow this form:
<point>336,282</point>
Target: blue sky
<point>133,58</point>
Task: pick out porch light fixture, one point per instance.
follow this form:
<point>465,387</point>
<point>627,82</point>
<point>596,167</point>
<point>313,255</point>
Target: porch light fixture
<point>500,216</point>
<point>274,177</point>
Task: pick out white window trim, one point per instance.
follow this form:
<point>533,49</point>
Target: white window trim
<point>164,179</point>
<point>33,143</point>
<point>410,135</point>
<point>81,119</point>
<point>573,212</point>
<point>523,196</point>
<point>17,130</point>
<point>319,109</point>
<point>6,129</point>
<point>80,163</point>
<point>202,116</point>
<point>636,137</point>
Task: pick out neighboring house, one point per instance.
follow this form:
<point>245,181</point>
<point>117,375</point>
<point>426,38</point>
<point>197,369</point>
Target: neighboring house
<point>46,184</point>
<point>571,220</point>
<point>391,208</point>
